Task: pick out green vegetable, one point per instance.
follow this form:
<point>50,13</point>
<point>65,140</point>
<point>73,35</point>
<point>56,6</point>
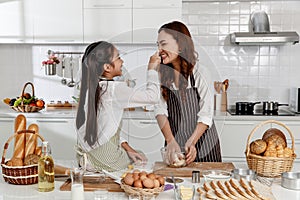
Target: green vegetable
<point>18,102</point>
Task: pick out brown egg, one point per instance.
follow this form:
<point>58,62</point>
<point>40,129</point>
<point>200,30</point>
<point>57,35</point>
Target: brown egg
<point>152,176</point>
<point>161,180</point>
<point>148,183</point>
<point>138,184</point>
<point>136,176</point>
<point>136,171</point>
<point>143,173</point>
<point>156,183</point>
<point>128,180</point>
<point>143,176</point>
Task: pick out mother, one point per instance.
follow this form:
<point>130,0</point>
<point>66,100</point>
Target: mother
<point>186,108</point>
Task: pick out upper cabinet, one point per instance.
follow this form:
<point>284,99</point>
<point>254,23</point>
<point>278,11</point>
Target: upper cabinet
<point>15,22</point>
<point>127,21</point>
<point>57,21</point>
<point>85,21</point>
<point>107,20</point>
<point>148,16</point>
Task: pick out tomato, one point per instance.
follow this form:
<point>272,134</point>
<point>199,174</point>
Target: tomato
<point>32,104</point>
<point>40,103</point>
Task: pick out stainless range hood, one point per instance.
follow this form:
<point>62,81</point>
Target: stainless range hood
<point>261,34</point>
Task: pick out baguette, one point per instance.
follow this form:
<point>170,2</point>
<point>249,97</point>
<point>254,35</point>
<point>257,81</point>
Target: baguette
<point>19,146</point>
<point>31,140</point>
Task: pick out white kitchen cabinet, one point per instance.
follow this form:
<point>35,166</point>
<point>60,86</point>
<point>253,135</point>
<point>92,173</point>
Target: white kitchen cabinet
<point>149,16</point>
<point>145,135</point>
<point>6,130</point>
<point>57,21</point>
<point>61,134</point>
<point>109,20</point>
<point>15,22</point>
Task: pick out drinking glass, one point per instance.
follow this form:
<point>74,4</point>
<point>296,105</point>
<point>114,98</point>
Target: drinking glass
<point>77,190</point>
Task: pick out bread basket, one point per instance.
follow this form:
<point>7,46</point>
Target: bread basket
<point>270,166</point>
<point>26,108</point>
<point>19,175</point>
<point>129,190</point>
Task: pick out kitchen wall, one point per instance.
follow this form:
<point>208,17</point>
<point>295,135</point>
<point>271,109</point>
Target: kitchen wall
<point>256,73</point>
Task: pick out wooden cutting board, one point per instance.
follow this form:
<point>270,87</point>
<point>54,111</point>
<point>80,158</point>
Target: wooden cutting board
<point>90,185</point>
<point>162,169</point>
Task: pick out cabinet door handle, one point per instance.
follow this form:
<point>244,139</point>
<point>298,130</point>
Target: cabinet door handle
<point>238,123</point>
<point>108,5</point>
<point>52,121</point>
<point>148,122</point>
<point>6,120</point>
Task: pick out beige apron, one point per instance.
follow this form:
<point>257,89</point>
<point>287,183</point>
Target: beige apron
<point>109,156</point>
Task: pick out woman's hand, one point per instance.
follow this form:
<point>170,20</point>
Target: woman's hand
<point>191,151</point>
<point>154,61</point>
<point>171,150</point>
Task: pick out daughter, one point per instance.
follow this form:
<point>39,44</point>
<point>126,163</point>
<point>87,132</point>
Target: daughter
<point>101,106</point>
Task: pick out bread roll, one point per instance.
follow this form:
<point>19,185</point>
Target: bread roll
<point>16,162</point>
<point>31,159</point>
<point>31,140</point>
<point>19,147</point>
<point>258,146</point>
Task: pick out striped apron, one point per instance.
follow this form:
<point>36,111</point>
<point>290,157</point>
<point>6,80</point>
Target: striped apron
<point>183,121</point>
<point>109,156</point>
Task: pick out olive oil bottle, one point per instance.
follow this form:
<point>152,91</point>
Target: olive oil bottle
<point>46,169</point>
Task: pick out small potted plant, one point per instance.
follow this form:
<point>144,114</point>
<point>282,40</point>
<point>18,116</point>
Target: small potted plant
<point>50,65</point>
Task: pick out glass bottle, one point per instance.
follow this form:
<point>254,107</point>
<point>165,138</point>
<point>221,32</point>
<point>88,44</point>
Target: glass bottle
<point>46,169</point>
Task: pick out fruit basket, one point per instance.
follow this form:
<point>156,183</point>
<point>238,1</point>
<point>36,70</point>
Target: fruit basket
<point>26,102</point>
<point>270,166</point>
<point>19,175</point>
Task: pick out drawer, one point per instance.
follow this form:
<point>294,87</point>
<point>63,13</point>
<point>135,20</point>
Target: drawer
<point>107,4</point>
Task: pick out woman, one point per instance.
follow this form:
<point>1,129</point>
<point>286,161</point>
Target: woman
<point>101,105</point>
<point>186,108</point>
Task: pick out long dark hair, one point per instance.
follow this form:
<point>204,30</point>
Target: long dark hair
<point>187,55</point>
<point>95,56</point>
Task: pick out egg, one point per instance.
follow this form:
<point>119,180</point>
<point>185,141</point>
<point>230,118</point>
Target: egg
<point>138,184</point>
<point>148,183</point>
<point>143,176</point>
<point>156,183</point>
<point>136,171</point>
<point>152,176</point>
<point>128,180</point>
<point>136,176</point>
<point>161,180</point>
<point>143,173</point>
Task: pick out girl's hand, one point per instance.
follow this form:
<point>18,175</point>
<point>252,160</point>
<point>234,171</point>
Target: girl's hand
<point>154,61</point>
<point>137,157</point>
<point>191,152</point>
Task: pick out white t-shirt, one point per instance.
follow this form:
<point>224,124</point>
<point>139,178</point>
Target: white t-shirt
<point>116,97</point>
<point>203,85</point>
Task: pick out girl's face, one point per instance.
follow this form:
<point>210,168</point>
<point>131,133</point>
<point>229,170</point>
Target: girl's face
<point>117,63</point>
<point>168,48</point>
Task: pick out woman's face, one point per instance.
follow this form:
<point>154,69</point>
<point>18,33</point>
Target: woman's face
<point>117,62</point>
<point>168,48</point>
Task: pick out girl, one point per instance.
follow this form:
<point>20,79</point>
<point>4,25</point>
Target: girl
<point>186,109</point>
<point>101,106</point>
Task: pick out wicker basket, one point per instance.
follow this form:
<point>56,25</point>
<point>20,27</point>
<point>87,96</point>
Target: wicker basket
<point>269,166</point>
<point>26,108</point>
<point>19,175</point>
<point>141,191</point>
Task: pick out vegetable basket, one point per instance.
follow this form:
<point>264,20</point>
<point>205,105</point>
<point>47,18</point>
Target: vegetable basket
<point>270,166</point>
<point>19,175</point>
<point>24,107</point>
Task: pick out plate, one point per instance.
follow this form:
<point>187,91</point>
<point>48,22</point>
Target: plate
<point>216,174</point>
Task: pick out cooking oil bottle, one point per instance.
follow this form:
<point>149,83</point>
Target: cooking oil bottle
<point>46,169</point>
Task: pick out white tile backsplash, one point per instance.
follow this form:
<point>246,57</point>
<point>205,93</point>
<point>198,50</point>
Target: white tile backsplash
<point>255,72</point>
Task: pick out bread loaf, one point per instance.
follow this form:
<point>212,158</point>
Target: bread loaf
<point>258,146</point>
<point>276,136</point>
<point>19,146</point>
<point>31,140</point>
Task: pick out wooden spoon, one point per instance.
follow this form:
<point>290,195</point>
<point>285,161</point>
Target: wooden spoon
<point>226,83</point>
